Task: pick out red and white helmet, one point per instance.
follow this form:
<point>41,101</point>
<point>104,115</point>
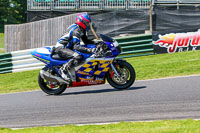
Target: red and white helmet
<point>83,20</point>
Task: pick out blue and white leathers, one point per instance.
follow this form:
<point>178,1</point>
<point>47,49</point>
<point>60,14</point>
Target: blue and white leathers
<point>68,39</point>
<point>71,39</point>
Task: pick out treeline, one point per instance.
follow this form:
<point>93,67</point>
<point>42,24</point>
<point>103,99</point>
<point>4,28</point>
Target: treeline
<point>12,12</point>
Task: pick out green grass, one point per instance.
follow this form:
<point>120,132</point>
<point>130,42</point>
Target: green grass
<point>2,51</point>
<point>166,126</point>
<point>18,82</point>
<point>146,67</point>
<point>166,65</point>
<point>1,42</point>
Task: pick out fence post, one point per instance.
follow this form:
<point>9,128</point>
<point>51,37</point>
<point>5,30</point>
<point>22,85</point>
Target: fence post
<point>151,19</point>
<point>127,2</point>
<point>78,4</point>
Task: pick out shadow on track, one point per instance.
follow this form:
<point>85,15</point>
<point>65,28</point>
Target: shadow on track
<point>102,91</point>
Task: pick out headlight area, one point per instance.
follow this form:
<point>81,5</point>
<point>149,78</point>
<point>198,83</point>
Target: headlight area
<point>119,49</point>
<point>115,43</point>
<point>117,46</point>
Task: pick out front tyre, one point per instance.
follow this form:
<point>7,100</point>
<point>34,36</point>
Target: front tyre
<point>47,88</point>
<point>126,78</point>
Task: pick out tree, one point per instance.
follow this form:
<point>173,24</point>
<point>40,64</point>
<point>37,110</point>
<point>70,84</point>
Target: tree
<point>18,10</point>
<point>3,13</point>
<point>12,12</point>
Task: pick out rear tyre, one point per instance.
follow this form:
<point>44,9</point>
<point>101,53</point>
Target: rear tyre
<point>126,79</point>
<point>44,85</point>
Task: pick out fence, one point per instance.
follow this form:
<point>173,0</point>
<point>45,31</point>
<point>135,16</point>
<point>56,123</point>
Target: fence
<point>99,4</point>
<point>47,32</point>
<point>36,34</point>
<point>86,4</point>
<point>17,61</point>
<point>176,1</point>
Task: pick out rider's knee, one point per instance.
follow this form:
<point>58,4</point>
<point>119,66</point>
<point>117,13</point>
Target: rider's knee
<point>77,56</point>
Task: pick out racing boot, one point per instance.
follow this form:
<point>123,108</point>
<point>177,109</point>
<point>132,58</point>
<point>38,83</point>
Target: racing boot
<point>65,70</point>
<point>64,74</point>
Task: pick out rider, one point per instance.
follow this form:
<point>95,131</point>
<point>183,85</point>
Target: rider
<point>71,41</point>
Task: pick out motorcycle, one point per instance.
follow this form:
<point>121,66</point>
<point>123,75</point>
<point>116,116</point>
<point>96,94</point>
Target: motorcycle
<point>94,70</point>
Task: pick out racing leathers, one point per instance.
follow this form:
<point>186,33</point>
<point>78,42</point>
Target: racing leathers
<point>67,43</point>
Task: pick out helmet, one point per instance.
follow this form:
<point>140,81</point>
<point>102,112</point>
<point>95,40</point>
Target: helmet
<point>83,20</point>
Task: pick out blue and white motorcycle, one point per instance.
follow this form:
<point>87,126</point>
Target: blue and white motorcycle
<point>94,70</point>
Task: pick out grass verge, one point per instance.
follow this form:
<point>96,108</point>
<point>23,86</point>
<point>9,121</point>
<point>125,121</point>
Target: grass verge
<point>18,82</point>
<point>166,126</point>
<point>2,51</point>
<point>1,43</point>
<point>166,65</point>
<point>1,40</point>
<point>146,67</point>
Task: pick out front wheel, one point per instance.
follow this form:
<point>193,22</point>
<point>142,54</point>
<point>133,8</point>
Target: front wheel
<point>126,78</point>
<point>50,87</point>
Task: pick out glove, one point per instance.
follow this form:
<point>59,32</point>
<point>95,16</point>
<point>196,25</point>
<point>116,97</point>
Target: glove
<point>93,50</point>
<point>99,43</point>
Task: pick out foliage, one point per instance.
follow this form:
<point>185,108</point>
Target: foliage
<point>12,12</point>
<point>166,126</point>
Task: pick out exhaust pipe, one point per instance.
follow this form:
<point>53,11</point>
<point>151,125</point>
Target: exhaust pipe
<point>49,77</point>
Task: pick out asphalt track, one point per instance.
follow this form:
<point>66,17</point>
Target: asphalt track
<point>173,98</point>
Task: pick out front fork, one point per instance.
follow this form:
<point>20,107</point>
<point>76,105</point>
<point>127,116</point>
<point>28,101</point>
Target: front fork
<point>115,69</point>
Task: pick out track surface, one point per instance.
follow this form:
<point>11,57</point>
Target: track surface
<point>174,98</point>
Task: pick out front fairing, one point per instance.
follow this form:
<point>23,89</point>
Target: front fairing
<point>112,44</point>
<point>113,49</point>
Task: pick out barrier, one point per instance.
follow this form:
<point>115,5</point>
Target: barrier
<point>176,1</point>
<point>45,5</point>
<point>18,61</point>
<point>132,46</point>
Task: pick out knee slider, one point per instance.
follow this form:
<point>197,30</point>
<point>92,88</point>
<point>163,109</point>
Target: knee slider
<point>78,57</point>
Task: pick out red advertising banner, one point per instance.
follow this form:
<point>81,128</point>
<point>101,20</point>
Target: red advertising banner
<point>171,42</point>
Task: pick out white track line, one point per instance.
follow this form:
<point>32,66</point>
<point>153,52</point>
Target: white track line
<point>106,123</point>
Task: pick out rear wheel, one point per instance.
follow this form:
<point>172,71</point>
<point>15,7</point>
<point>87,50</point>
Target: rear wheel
<point>126,78</point>
<point>51,88</point>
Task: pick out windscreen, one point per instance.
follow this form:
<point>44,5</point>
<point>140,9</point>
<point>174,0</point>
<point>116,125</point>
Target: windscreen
<point>106,38</point>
